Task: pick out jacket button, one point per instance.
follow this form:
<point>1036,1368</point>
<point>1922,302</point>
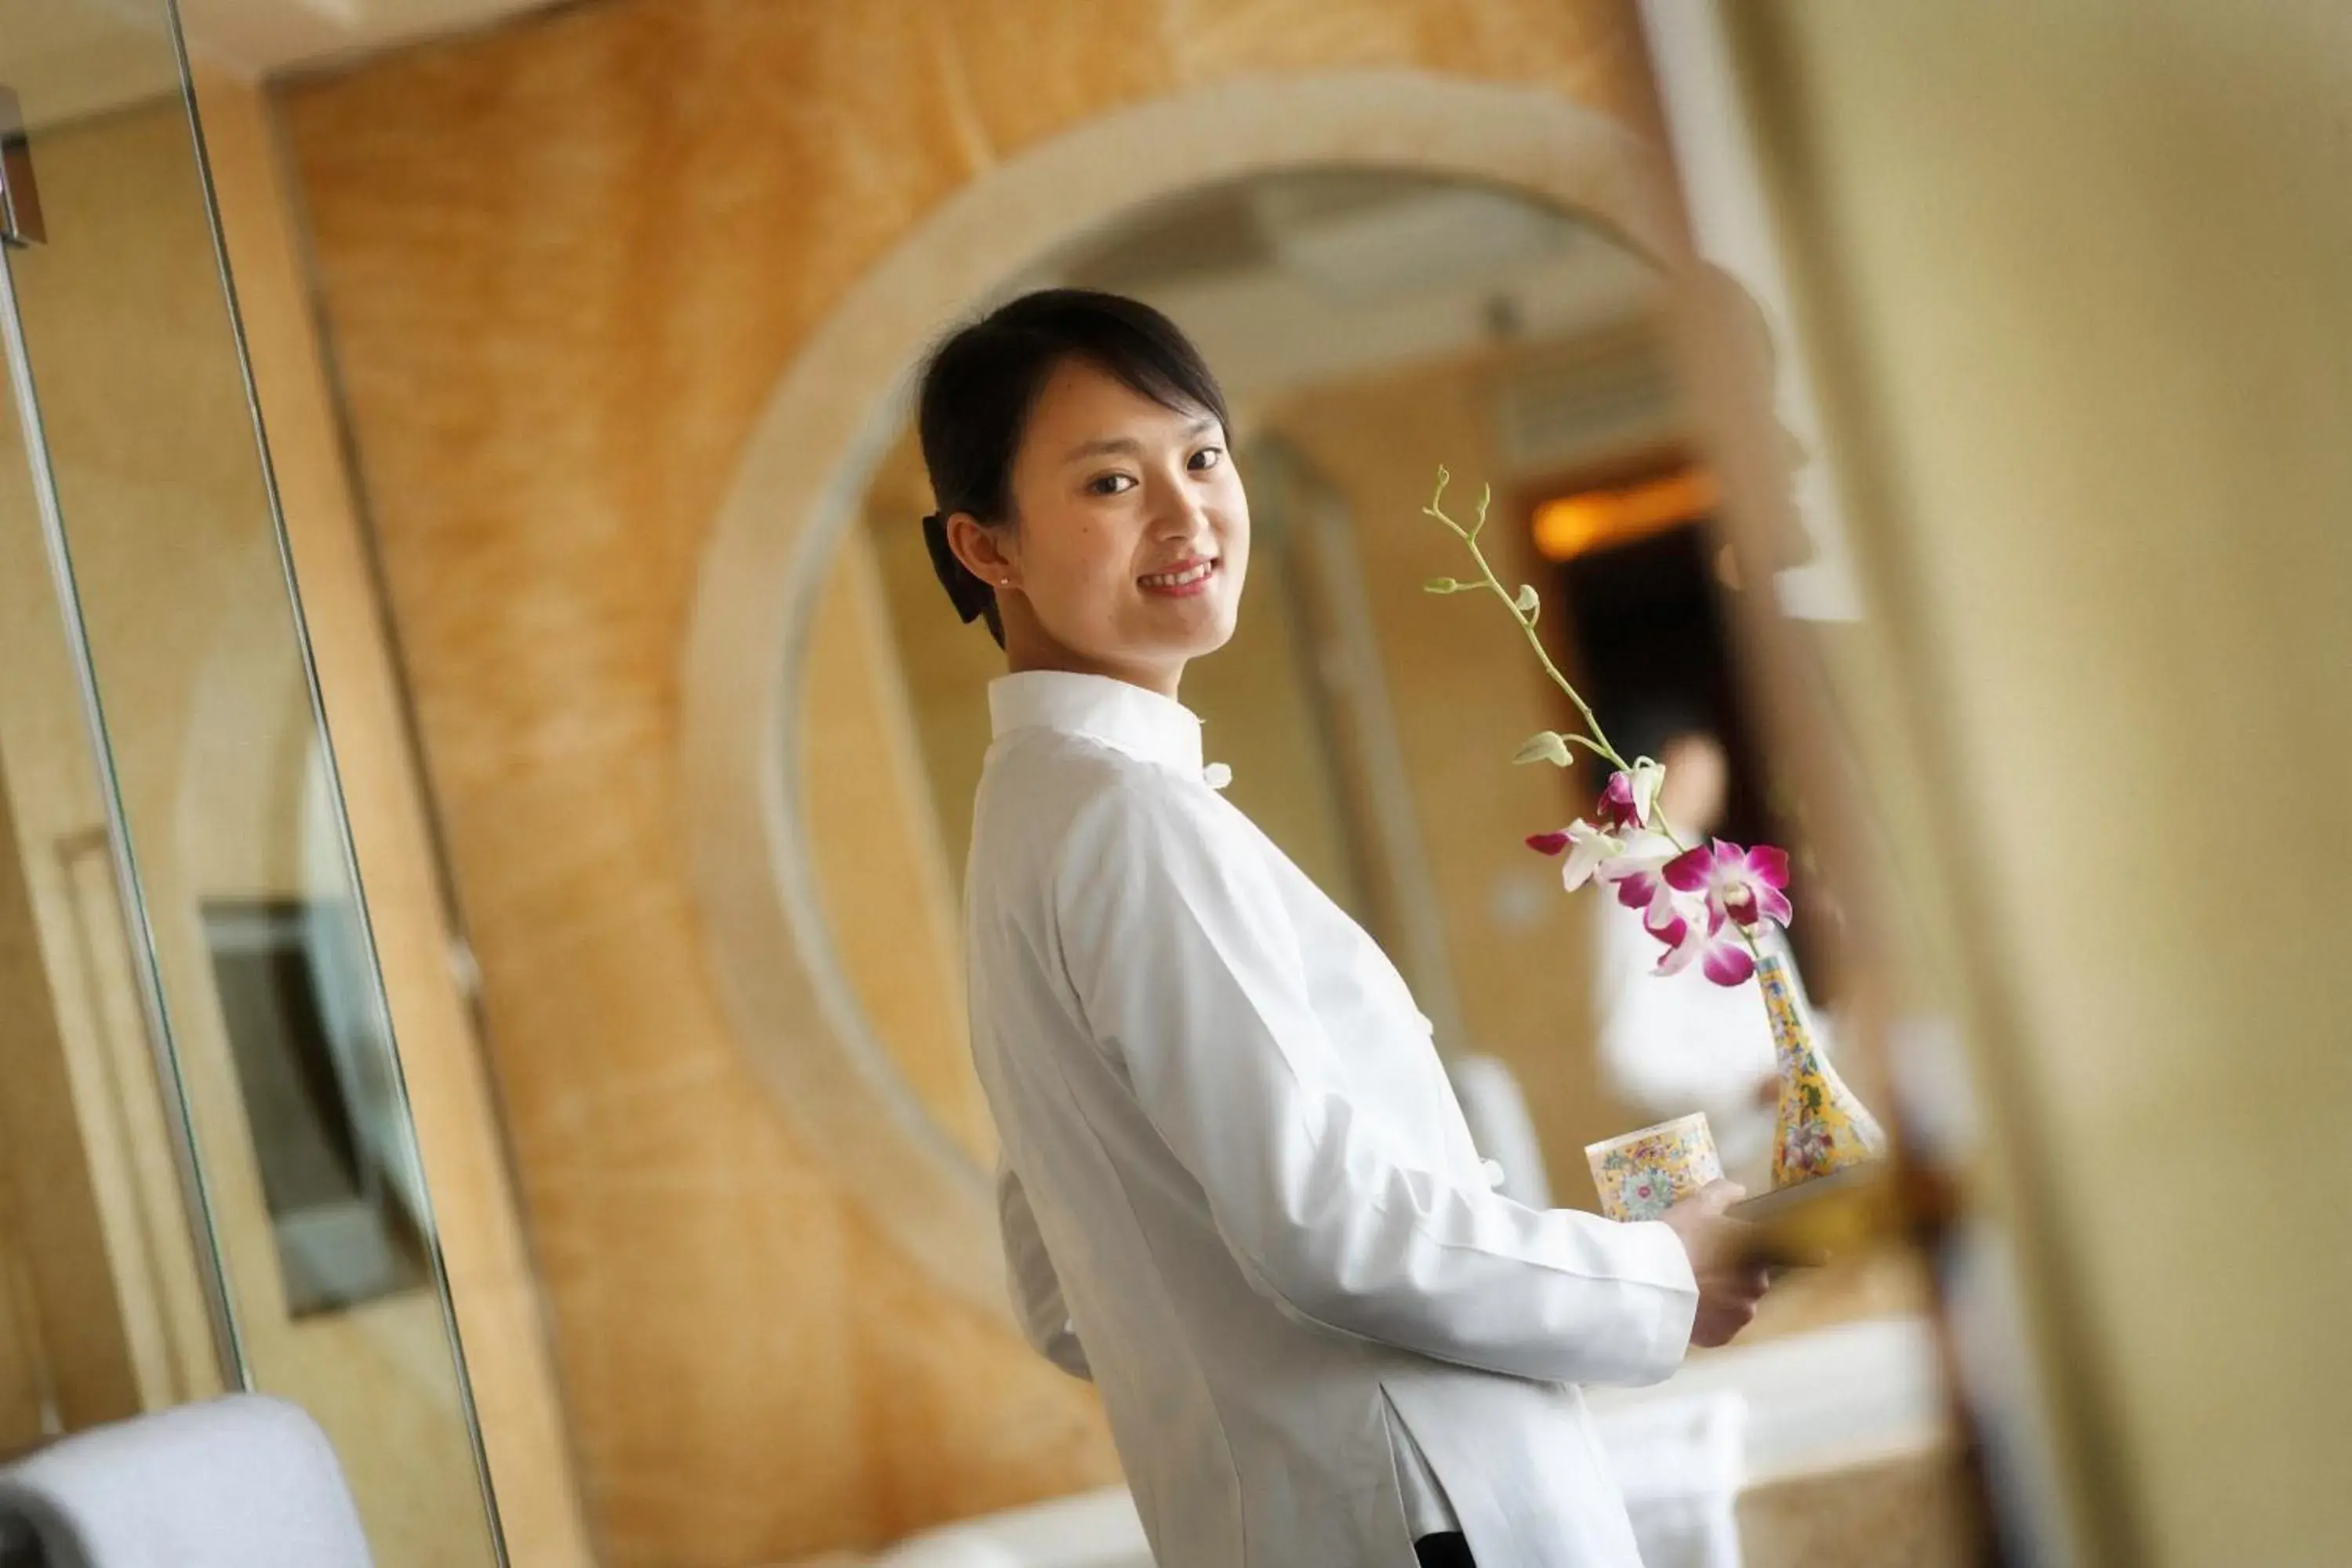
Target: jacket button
<point>1494,1169</point>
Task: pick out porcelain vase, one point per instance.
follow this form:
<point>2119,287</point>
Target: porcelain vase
<point>1822,1127</point>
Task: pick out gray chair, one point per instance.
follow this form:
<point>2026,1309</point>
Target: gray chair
<point>247,1481</point>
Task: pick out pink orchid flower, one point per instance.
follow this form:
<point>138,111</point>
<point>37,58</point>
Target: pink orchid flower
<point>1698,935</point>
<point>1590,849</point>
<point>1620,860</point>
<point>1744,886</point>
<point>1630,801</point>
<point>1637,873</point>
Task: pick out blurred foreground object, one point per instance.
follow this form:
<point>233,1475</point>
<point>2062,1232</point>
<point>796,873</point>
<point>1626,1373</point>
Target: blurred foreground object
<point>2058,293</point>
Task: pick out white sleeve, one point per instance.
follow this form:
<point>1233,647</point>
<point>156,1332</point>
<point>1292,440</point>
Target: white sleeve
<point>1190,976</point>
<point>1036,1289</point>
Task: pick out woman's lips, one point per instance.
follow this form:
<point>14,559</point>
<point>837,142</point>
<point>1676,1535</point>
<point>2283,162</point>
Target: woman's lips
<point>1182,582</point>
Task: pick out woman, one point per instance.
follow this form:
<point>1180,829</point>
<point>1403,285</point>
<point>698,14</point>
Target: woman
<point>1236,1191</point>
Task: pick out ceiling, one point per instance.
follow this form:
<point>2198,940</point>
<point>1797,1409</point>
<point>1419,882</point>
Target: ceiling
<point>260,37</point>
<point>67,59</point>
<point>1309,276</point>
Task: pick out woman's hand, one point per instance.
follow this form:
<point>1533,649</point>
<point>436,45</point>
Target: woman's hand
<point>1729,1286</point>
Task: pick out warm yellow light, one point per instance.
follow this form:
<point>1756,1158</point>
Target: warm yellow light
<point>1568,526</point>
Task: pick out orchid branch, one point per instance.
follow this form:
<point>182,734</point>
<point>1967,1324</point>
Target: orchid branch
<point>1524,607</point>
<point>1597,743</point>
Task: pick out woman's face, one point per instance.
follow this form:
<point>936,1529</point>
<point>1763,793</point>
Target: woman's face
<point>1131,538</point>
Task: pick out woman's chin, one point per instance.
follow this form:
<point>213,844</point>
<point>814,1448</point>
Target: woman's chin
<point>1192,625</point>
<point>1213,630</point>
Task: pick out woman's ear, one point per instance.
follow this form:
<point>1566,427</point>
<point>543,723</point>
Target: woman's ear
<point>981,550</point>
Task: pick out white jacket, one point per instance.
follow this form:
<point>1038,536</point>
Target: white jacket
<point>1238,1192</point>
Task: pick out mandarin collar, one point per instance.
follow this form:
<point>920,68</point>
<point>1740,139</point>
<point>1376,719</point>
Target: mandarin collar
<point>1143,724</point>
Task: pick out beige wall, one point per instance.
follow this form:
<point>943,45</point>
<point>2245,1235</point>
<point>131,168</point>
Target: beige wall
<point>943,664</point>
<point>889,877</point>
<point>563,267</point>
<point>2076,278</point>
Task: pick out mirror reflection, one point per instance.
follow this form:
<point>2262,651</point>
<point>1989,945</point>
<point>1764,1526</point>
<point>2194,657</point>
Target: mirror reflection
<point>1366,327</point>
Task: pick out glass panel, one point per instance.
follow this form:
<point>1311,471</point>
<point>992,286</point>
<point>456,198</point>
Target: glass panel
<point>229,809</point>
<point>108,1293</point>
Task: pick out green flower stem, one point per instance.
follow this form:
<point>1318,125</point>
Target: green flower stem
<point>1596,742</point>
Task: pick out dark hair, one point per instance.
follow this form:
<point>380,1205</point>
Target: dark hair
<point>980,382</point>
<point>1647,721</point>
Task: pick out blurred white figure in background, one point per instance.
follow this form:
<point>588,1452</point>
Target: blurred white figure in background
<point>1681,1463</point>
<point>1672,1045</point>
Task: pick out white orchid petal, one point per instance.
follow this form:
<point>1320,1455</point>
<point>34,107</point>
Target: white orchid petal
<point>1590,852</point>
<point>1645,851</point>
<point>1648,778</point>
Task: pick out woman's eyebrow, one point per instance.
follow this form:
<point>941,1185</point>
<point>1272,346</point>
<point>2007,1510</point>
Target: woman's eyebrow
<point>1128,446</point>
<point>1105,445</point>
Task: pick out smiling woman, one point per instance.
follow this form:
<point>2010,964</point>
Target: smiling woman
<point>1364,326</point>
<point>1227,1131</point>
<point>1077,446</point>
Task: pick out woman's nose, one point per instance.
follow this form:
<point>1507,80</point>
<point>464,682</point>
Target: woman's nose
<point>1180,514</point>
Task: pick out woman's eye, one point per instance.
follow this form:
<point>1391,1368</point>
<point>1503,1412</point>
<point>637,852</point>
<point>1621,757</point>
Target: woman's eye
<point>1110,484</point>
<point>1207,458</point>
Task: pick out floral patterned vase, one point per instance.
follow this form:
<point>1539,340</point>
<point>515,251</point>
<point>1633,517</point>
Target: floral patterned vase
<point>1822,1127</point>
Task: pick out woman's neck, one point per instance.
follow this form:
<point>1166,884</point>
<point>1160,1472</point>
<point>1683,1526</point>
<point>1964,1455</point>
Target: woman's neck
<point>1020,659</point>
